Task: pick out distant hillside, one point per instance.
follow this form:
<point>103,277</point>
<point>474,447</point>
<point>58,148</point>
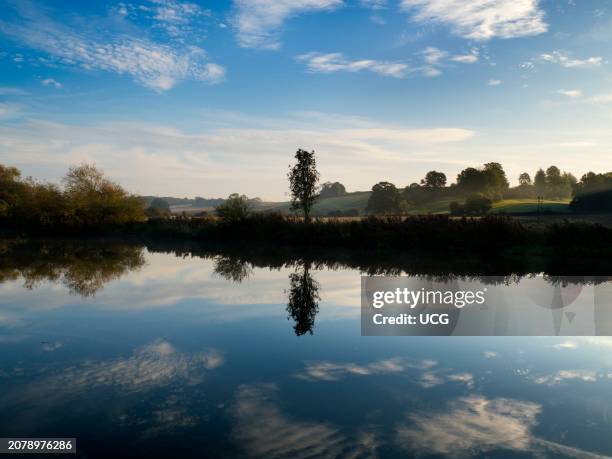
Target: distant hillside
<point>358,201</point>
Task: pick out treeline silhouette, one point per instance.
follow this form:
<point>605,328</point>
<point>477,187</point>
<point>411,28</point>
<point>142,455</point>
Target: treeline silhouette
<point>87,201</point>
<point>476,189</point>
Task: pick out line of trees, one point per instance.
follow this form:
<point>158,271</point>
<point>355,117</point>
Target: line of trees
<point>86,200</point>
<point>476,189</point>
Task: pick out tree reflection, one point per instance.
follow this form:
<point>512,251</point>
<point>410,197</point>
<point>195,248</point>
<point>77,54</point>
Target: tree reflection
<point>232,268</point>
<point>303,304</point>
<point>83,267</point>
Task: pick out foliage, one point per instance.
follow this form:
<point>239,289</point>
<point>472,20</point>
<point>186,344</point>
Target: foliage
<point>597,201</point>
<point>524,180</point>
<point>434,179</point>
<point>332,190</point>
<point>490,181</point>
<point>158,207</point>
<point>539,182</point>
<point>303,179</point>
<point>235,207</point>
<point>592,182</point>
<point>385,199</point>
<point>88,200</point>
<point>476,204</point>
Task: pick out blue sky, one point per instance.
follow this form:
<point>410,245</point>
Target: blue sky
<point>208,98</point>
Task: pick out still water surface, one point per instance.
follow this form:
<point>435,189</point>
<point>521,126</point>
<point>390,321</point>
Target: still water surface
<point>144,353</point>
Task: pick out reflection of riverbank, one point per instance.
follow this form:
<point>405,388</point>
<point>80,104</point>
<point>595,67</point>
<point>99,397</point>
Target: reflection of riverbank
<point>166,274</point>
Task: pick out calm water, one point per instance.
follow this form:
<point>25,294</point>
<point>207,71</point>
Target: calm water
<point>142,353</point>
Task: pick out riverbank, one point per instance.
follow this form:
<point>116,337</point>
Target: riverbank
<point>491,244</point>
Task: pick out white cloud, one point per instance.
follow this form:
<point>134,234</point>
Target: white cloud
<point>158,159</point>
<point>434,55</point>
<point>156,66</point>
<point>490,354</point>
<point>494,82</point>
<point>51,82</point>
<point>336,62</point>
<point>466,378</point>
<point>373,4</point>
<point>482,20</point>
<point>562,59</point>
<point>465,58</point>
<point>571,93</point>
<point>564,375</point>
<point>259,22</point>
<point>566,345</point>
<point>332,371</point>
<point>155,364</point>
<point>264,430</point>
<point>471,426</point>
<point>180,20</point>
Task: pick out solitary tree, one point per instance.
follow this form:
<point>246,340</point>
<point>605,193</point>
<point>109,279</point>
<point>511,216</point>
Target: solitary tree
<point>434,179</point>
<point>303,178</point>
<point>524,179</point>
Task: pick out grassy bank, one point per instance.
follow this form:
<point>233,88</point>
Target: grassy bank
<point>439,234</point>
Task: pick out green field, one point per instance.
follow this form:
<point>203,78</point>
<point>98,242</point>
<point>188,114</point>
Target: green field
<point>359,201</point>
<point>530,205</point>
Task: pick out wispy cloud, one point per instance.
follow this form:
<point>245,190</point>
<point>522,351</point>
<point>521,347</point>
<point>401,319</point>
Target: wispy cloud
<point>334,371</point>
<point>435,59</point>
<point>564,60</point>
<point>336,62</point>
<point>8,91</point>
<point>264,430</point>
<point>8,110</point>
<point>565,375</point>
<point>470,58</point>
<point>154,65</point>
<point>494,82</point>
<point>153,158</point>
<point>181,21</point>
<point>51,82</point>
<point>373,4</point>
<point>571,93</point>
<point>481,20</point>
<point>259,23</point>
<point>470,426</point>
<point>565,345</point>
<point>434,55</point>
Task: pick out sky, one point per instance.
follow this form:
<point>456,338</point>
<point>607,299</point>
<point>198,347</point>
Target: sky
<point>209,98</point>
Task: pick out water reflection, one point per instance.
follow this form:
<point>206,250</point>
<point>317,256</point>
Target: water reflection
<point>83,267</point>
<point>192,356</point>
<point>303,304</point>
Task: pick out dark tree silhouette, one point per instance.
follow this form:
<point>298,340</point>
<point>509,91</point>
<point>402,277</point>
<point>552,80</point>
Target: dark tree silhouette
<point>434,179</point>
<point>303,304</point>
<point>524,179</point>
<point>303,178</point>
<point>385,198</point>
<point>232,268</point>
